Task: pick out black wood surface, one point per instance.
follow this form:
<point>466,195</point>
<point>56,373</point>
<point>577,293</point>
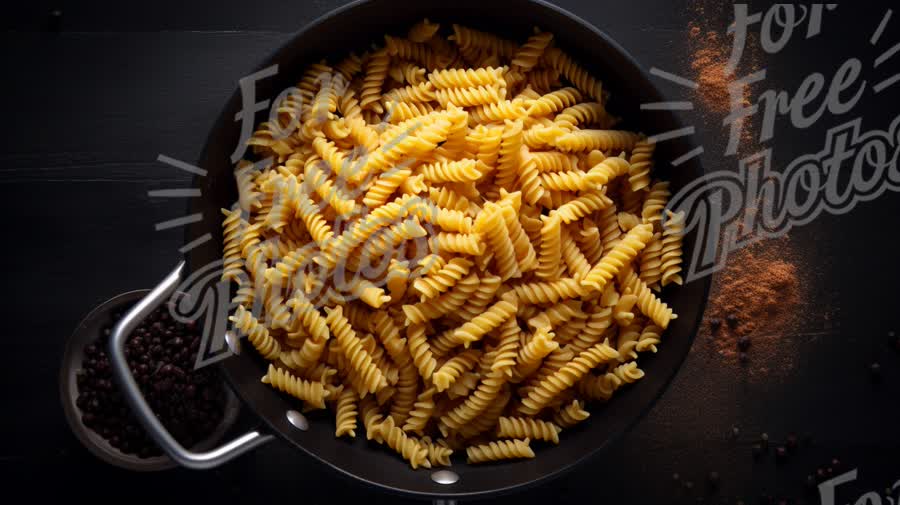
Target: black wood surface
<point>93,95</point>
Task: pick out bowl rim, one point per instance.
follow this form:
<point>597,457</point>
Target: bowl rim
<point>73,356</point>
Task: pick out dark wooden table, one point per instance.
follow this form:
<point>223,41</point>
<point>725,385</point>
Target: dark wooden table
<point>94,94</point>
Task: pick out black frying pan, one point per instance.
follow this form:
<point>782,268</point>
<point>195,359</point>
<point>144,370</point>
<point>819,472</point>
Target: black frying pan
<point>354,28</point>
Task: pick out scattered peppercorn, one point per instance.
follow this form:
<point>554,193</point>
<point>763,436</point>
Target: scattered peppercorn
<point>791,442</point>
<point>835,463</point>
<point>743,343</point>
<point>875,371</point>
<point>190,404</point>
<point>714,324</point>
<point>780,453</point>
<point>757,451</point>
<point>811,482</point>
<point>731,320</point>
<point>743,357</point>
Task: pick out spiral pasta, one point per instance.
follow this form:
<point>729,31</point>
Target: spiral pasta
<point>574,73</point>
<point>570,415</point>
<point>651,262</point>
<point>647,302</point>
<point>499,111</point>
<point>524,427</point>
<point>376,72</point>
<point>604,140</point>
<point>453,368</point>
<point>529,360</point>
<point>554,102</point>
<point>361,362</point>
<point>670,248</point>
<point>585,113</point>
<point>641,164</point>
<point>451,171</point>
<point>551,248</point>
<point>620,255</point>
<point>509,153</point>
<point>491,226</point>
<point>468,97</point>
<point>345,417</point>
<point>312,393</point>
<point>499,450</point>
<point>446,242</point>
<point>442,280</point>
<point>566,377</point>
<point>256,333</point>
<point>655,202</point>
<point>384,187</point>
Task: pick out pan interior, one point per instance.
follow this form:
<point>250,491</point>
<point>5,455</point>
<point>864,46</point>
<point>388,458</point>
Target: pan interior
<point>354,28</point>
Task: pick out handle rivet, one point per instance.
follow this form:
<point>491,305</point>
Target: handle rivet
<point>445,477</point>
<point>298,420</point>
<point>233,342</point>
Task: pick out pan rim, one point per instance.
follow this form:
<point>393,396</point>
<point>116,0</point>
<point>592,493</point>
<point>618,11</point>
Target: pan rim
<point>563,469</point>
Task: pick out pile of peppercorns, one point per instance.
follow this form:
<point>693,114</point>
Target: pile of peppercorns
<point>161,353</point>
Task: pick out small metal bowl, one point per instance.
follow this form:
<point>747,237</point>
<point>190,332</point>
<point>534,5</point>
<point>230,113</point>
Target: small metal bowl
<point>89,330</point>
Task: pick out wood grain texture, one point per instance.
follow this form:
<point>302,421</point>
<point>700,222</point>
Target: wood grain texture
<point>87,111</point>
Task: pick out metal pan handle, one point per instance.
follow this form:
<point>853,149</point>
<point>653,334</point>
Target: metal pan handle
<point>122,374</point>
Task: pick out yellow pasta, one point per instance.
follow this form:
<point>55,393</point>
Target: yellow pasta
<point>499,450</point>
<point>670,248</point>
<point>655,202</point>
<point>510,153</point>
<point>451,244</point>
<point>346,414</point>
<point>523,427</point>
<point>454,368</point>
<point>604,140</point>
<point>554,102</point>
<point>647,302</point>
<point>570,415</point>
<point>312,393</point>
<point>551,248</point>
<point>641,164</point>
<point>351,347</point>
<point>451,171</point>
<point>620,255</point>
<point>584,114</point>
<point>491,226</point>
<point>256,333</point>
<point>475,329</point>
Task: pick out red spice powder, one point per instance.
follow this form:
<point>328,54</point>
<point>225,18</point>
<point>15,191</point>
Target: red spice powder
<point>757,297</point>
<point>709,55</point>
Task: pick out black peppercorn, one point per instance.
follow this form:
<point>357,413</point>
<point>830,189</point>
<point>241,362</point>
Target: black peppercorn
<point>714,324</point>
<point>875,371</point>
<point>780,453</point>
<point>791,443</point>
<point>731,320</point>
<point>757,451</point>
<point>743,343</point>
<point>167,381</point>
